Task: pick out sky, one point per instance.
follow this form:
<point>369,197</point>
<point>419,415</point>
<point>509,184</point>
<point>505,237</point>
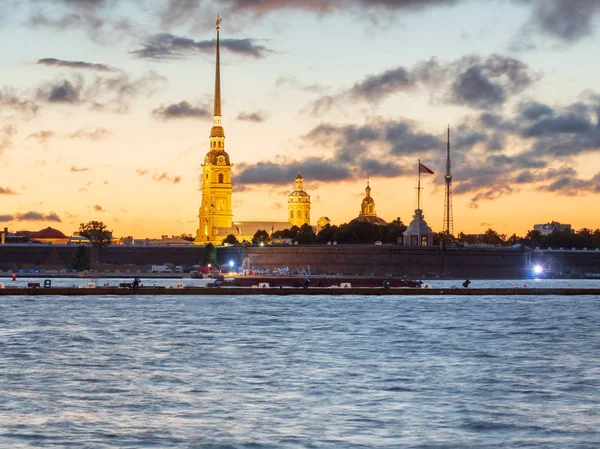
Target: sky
<point>106,110</point>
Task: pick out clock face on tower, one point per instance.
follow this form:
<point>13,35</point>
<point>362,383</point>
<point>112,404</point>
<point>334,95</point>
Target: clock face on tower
<point>221,159</point>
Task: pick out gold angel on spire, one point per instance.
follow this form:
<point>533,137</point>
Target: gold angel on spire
<point>219,20</point>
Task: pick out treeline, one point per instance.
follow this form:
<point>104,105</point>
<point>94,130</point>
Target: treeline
<point>584,238</point>
<point>353,232</point>
<point>368,233</point>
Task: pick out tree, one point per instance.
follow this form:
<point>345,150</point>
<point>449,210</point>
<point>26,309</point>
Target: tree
<point>210,255</point>
<point>230,239</point>
<point>261,236</point>
<point>394,231</point>
<point>491,237</point>
<point>306,234</point>
<point>82,258</point>
<point>326,234</point>
<point>96,232</point>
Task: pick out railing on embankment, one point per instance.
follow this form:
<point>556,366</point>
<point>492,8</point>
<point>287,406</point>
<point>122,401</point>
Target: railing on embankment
<point>311,291</point>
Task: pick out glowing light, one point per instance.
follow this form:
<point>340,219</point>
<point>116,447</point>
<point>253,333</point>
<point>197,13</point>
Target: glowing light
<point>231,263</point>
<point>537,269</point>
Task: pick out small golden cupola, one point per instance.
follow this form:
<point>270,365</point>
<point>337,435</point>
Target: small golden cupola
<point>367,206</point>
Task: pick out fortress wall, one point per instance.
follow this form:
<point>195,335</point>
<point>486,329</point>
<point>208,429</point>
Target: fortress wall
<point>393,260</point>
<point>150,255</point>
<point>31,256</point>
<point>322,259</point>
<point>578,261</point>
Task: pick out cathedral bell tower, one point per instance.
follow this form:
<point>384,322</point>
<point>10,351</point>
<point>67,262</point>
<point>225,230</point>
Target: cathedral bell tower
<point>299,204</point>
<point>215,209</point>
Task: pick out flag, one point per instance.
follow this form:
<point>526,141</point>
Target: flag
<point>423,169</point>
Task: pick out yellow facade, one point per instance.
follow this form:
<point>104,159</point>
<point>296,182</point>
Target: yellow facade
<point>299,204</point>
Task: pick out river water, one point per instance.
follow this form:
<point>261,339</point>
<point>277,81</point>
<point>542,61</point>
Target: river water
<point>301,371</point>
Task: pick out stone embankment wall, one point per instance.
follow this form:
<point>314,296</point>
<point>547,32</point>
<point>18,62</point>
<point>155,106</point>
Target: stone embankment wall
<point>322,259</point>
<point>391,260</point>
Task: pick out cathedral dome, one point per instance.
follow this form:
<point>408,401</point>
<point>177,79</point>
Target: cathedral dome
<point>299,193</point>
<point>373,219</point>
<point>48,233</point>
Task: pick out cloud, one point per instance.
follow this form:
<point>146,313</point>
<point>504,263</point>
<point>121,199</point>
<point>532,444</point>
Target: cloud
<point>534,110</point>
<point>98,208</point>
<point>180,110</point>
<point>42,136</point>
<point>77,65</point>
<point>256,117</point>
<point>383,148</point>
<point>63,92</point>
<point>394,138</point>
<point>167,46</point>
<point>111,92</point>
<point>544,137</point>
<point>79,169</point>
<point>9,100</point>
<point>6,135</point>
<point>93,134</point>
<point>487,84</point>
<point>31,216</point>
<point>7,191</point>
<point>471,81</point>
<point>565,20</point>
<point>108,21</point>
<point>292,80</point>
<point>160,177</point>
<point>284,174</point>
<point>331,6</point>
<point>376,87</point>
<point>101,20</point>
<point>475,89</point>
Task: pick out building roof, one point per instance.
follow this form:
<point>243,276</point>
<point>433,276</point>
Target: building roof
<point>418,226</point>
<point>299,193</point>
<point>48,233</point>
<point>374,219</point>
<point>249,228</point>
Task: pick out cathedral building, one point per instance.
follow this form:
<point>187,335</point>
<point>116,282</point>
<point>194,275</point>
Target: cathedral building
<point>215,217</point>
<point>215,208</point>
<point>367,210</point>
<point>299,204</point>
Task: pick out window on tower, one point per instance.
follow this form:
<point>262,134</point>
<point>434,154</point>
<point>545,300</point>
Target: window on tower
<point>220,178</point>
<point>299,214</point>
<point>291,214</point>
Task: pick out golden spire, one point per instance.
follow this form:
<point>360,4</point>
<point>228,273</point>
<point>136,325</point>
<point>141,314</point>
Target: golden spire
<point>217,111</point>
<point>217,129</point>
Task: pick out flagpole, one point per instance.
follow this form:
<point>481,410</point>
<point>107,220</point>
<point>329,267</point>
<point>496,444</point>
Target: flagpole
<point>419,186</point>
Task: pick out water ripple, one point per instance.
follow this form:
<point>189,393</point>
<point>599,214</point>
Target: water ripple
<point>300,372</point>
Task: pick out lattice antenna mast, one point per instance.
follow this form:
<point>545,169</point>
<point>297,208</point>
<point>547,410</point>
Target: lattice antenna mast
<point>448,222</point>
